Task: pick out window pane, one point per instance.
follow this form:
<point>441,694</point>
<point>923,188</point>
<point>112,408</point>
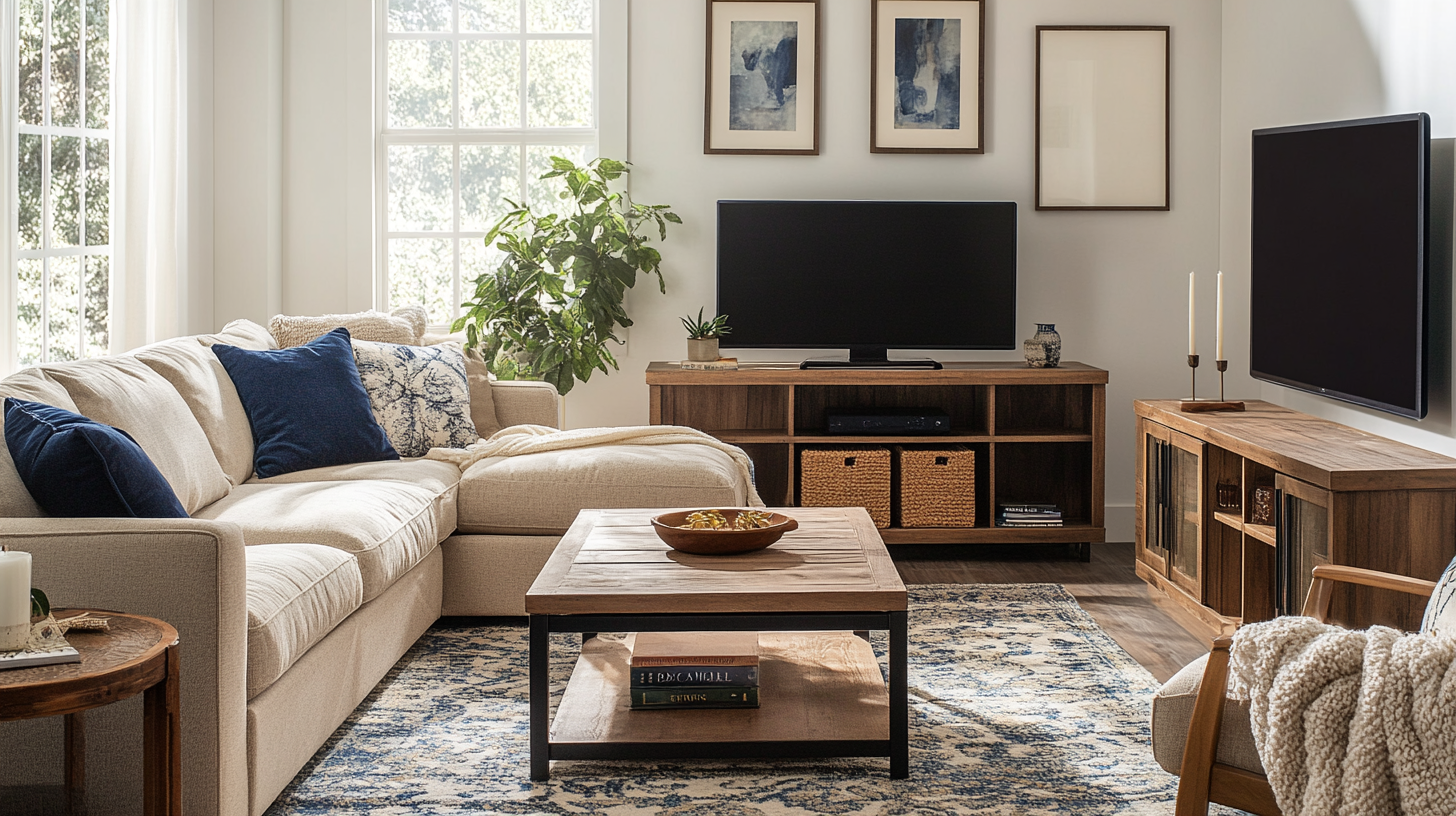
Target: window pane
<point>421,270</point>
<point>545,196</point>
<point>65,191</point>
<point>559,83</point>
<point>419,83</point>
<point>98,63</point>
<point>98,192</point>
<point>66,62</point>
<point>476,259</point>
<point>31,162</point>
<point>490,16</point>
<point>419,15</point>
<point>490,83</point>
<point>560,15</point>
<point>63,309</point>
<point>489,174</point>
<point>420,190</point>
<point>98,305</point>
<point>32,43</point>
<point>28,299</point>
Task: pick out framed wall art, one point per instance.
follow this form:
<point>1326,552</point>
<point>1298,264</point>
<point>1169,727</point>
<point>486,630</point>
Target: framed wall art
<point>1102,123</point>
<point>762,77</point>
<point>927,61</point>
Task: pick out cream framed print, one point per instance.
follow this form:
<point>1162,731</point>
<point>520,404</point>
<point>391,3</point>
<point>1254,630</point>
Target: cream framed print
<point>927,60</point>
<point>1102,118</point>
<point>762,77</point>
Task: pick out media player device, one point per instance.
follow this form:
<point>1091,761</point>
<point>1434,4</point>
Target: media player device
<point>887,421</point>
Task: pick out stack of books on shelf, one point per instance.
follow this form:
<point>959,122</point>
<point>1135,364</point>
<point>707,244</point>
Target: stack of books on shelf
<point>695,670</point>
<point>1029,515</point>
<point>720,364</point>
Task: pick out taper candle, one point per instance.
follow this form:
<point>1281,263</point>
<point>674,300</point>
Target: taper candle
<point>14,600</point>
<point>1192,334</point>
<point>1219,328</point>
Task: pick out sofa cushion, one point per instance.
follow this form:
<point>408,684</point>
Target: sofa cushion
<point>78,468</point>
<point>30,384</point>
<point>1440,618</point>
<point>440,477</point>
<point>482,398</point>
<point>541,493</point>
<point>297,593</point>
<point>305,405</point>
<point>243,334</point>
<point>124,393</point>
<point>419,394</point>
<point>1173,710</point>
<point>387,525</point>
<point>202,382</point>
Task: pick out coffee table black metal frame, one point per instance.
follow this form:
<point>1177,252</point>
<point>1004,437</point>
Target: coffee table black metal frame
<point>897,747</point>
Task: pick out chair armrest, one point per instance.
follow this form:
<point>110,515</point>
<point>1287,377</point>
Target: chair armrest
<point>190,573</point>
<point>1317,603</point>
<point>525,402</point>
<point>1203,732</point>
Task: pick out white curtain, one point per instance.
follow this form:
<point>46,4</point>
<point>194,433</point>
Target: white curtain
<point>9,184</point>
<point>149,282</point>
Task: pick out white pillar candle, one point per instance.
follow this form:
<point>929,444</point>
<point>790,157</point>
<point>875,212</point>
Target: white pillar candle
<point>1192,334</point>
<point>14,600</point>
<point>1219,328</point>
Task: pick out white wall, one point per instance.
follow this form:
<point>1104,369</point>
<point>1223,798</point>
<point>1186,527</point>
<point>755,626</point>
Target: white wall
<point>1114,283</point>
<point>1294,61</point>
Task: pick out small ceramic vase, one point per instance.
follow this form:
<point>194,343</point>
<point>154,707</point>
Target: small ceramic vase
<point>1044,349</point>
<point>703,351</point>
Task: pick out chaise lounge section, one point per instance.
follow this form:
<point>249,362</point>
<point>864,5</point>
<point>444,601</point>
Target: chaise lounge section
<point>294,595</point>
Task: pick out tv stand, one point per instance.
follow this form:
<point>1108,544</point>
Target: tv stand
<point>870,357</point>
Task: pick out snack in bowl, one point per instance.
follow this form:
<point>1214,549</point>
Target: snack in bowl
<point>721,531</point>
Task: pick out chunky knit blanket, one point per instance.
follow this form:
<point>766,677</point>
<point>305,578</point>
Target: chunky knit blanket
<point>1350,722</point>
<point>519,440</point>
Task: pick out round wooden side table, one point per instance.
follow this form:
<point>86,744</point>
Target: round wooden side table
<point>137,655</point>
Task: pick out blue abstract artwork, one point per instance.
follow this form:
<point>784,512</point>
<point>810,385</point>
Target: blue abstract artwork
<point>928,74</point>
<point>763,75</point>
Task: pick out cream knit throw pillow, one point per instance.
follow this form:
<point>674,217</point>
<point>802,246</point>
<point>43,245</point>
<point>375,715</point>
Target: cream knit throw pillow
<point>290,330</point>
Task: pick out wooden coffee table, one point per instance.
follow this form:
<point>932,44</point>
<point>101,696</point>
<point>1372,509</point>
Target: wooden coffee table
<point>822,690</point>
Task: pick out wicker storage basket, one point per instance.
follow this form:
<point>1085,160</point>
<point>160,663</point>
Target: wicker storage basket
<point>937,488</point>
<point>847,476</point>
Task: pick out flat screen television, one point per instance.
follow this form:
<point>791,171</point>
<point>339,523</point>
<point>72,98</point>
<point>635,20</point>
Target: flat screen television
<point>1340,230</point>
<point>867,276</point>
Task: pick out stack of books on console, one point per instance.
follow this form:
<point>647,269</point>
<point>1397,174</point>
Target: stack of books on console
<point>695,670</point>
<point>720,364</point>
<point>1029,515</point>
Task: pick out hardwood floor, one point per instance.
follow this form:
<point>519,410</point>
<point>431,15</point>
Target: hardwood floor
<point>1153,630</point>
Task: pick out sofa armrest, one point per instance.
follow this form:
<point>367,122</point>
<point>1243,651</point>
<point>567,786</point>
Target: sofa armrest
<point>188,572</point>
<point>1203,731</point>
<point>525,402</point>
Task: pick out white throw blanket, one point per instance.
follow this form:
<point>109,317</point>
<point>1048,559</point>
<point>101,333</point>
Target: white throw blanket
<point>1350,722</point>
<point>519,440</point>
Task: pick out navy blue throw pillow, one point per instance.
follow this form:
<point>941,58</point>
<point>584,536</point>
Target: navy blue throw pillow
<point>307,406</point>
<point>76,467</point>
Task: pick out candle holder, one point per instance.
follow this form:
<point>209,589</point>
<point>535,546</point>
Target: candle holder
<point>1194,405</point>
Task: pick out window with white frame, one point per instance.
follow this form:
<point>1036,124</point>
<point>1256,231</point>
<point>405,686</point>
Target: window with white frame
<point>474,98</point>
<point>63,109</point>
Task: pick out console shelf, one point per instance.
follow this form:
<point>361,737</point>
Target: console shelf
<point>1039,433</point>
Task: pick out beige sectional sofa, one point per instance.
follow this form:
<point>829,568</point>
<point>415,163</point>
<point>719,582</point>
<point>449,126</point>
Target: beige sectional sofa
<point>294,595</point>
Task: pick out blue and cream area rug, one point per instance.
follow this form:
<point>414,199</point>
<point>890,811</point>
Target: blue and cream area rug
<point>1019,704</point>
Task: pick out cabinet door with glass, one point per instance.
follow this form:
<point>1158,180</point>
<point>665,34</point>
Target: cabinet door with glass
<point>1171,524</point>
<point>1302,539</point>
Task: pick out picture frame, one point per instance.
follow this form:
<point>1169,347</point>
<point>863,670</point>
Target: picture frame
<point>922,53</point>
<point>762,78</point>
<point>1103,133</point>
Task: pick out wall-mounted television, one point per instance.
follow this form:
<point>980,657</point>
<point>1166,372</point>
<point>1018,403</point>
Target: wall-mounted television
<point>868,276</point>
<point>1338,262</point>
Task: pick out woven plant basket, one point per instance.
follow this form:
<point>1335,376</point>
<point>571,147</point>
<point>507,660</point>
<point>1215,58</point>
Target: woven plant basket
<point>937,488</point>
<point>848,476</point>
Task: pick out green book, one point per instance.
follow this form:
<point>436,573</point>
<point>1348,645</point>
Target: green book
<point>695,697</point>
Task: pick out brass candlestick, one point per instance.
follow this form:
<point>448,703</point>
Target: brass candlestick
<point>1193,370</point>
<point>1194,405</point>
<point>1222,366</point>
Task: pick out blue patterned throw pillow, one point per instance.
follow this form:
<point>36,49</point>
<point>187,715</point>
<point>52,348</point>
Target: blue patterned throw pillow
<point>419,394</point>
<point>1441,611</point>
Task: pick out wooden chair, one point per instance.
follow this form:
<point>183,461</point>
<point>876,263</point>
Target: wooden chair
<point>1203,779</point>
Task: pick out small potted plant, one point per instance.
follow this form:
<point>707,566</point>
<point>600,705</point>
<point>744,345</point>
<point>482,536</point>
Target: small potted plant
<point>703,336</point>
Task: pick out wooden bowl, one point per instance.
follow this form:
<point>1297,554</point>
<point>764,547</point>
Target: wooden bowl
<point>719,542</point>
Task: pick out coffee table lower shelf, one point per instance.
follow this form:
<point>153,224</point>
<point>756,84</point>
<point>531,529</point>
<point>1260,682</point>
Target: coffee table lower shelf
<point>822,695</point>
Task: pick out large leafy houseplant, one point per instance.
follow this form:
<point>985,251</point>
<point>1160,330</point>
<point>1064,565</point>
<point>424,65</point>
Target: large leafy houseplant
<point>554,303</point>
